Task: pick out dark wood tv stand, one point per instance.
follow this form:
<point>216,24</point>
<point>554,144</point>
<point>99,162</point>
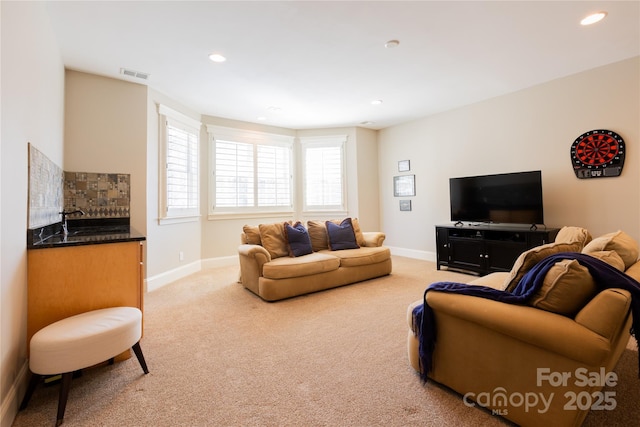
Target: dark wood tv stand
<point>486,248</point>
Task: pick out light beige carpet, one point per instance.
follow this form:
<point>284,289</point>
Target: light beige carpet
<point>220,356</point>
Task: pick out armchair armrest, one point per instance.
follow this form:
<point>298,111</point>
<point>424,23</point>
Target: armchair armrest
<point>527,324</point>
<point>373,238</point>
<point>252,259</point>
<point>606,313</point>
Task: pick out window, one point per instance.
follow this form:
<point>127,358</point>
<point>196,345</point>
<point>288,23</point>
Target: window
<point>324,183</point>
<point>250,171</point>
<point>179,189</point>
<point>233,174</point>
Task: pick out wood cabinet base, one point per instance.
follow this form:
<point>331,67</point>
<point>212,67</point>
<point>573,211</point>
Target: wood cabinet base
<point>70,280</point>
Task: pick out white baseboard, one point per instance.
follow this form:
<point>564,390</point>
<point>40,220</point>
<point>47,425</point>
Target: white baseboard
<point>413,253</point>
<point>163,279</point>
<point>13,398</point>
<point>159,280</point>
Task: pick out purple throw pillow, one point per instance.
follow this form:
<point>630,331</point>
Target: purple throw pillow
<point>341,236</point>
<point>297,239</point>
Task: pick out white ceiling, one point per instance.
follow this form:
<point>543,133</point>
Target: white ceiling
<point>321,63</point>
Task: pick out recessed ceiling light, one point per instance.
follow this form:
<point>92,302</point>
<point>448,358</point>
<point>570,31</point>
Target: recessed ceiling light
<point>274,108</point>
<point>376,102</point>
<point>391,44</point>
<point>262,118</point>
<point>593,18</point>
<point>367,122</point>
<point>216,57</point>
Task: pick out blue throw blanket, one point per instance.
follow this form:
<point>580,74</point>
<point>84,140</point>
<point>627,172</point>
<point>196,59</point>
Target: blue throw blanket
<point>604,275</point>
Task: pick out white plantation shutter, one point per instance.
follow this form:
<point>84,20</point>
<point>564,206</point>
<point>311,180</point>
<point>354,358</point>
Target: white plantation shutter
<point>180,190</point>
<point>274,175</point>
<point>251,171</point>
<point>182,169</point>
<point>324,183</point>
<point>234,174</point>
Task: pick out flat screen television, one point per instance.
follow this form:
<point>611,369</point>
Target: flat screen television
<point>514,198</point>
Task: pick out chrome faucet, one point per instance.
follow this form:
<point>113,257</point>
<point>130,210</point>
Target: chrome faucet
<point>64,214</point>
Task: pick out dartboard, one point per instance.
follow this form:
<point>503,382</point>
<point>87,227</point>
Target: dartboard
<point>597,153</point>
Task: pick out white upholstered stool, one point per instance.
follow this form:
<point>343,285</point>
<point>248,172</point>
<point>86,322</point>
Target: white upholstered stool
<point>79,342</point>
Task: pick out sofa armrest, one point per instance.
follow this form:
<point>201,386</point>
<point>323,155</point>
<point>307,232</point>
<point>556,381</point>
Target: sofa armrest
<point>606,313</point>
<point>373,238</point>
<point>252,259</point>
<point>527,324</point>
<point>493,280</point>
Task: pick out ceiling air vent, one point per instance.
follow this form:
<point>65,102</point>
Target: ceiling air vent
<point>135,74</point>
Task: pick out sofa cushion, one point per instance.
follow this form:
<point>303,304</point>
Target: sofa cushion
<point>251,235</point>
<point>529,258</point>
<point>361,256</point>
<point>634,271</point>
<point>287,267</point>
<point>567,287</point>
<point>341,236</point>
<point>298,240</point>
<point>618,241</point>
<point>610,257</point>
<point>358,232</point>
<point>274,240</point>
<point>318,235</point>
<point>568,234</point>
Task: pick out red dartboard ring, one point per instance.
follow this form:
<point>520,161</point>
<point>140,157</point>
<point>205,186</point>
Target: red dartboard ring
<point>598,153</point>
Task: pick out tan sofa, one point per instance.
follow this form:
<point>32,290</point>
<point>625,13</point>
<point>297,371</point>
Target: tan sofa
<point>530,363</point>
<point>268,269</point>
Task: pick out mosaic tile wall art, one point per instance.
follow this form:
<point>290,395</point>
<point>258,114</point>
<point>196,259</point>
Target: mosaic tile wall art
<point>45,189</point>
<point>99,195</point>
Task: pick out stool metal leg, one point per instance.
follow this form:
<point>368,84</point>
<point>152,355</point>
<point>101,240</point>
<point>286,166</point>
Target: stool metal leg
<point>138,351</point>
<point>64,394</point>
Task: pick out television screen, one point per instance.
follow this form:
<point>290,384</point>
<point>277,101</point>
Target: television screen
<point>501,198</point>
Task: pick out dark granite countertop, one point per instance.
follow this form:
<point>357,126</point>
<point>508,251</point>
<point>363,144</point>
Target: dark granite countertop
<point>83,232</point>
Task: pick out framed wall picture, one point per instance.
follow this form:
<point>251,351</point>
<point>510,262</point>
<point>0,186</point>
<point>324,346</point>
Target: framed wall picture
<point>404,166</point>
<point>405,205</point>
<point>404,186</point>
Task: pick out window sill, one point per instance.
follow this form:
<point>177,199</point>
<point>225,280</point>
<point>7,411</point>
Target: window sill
<point>178,219</point>
<point>325,212</point>
<point>248,215</point>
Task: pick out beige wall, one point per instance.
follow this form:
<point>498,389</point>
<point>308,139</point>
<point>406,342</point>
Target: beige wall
<point>165,242</point>
<point>32,111</point>
<point>527,130</point>
<point>368,211</point>
<point>106,131</point>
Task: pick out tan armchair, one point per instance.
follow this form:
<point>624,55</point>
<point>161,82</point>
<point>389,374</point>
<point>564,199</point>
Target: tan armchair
<point>527,364</point>
<point>487,350</point>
